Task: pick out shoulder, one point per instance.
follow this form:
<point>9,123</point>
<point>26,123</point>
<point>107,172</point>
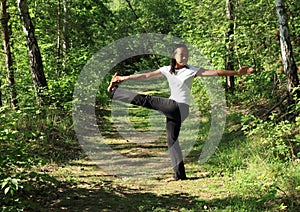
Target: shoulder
<point>194,69</point>
<point>165,69</point>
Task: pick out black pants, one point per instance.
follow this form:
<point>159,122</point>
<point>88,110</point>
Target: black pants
<point>175,114</point>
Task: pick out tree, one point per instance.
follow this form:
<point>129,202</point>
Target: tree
<point>229,60</point>
<point>62,35</point>
<point>1,104</point>
<point>289,65</point>
<point>36,63</point>
<point>8,54</point>
<point>65,42</point>
<point>59,32</point>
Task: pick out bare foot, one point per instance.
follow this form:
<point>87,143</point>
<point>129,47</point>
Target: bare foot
<point>171,179</point>
<point>113,82</point>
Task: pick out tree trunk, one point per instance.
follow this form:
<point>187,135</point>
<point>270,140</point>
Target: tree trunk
<point>290,68</point>
<point>65,36</point>
<point>36,63</point>
<point>62,35</point>
<point>229,60</point>
<point>58,50</point>
<point>1,104</point>
<point>6,33</point>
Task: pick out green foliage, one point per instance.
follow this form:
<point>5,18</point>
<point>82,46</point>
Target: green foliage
<point>16,162</point>
<point>278,146</point>
<point>268,182</point>
<point>33,136</point>
<point>278,139</point>
<point>30,139</point>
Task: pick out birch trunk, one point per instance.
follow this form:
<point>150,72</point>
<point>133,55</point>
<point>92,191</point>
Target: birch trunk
<point>289,65</point>
<point>36,63</point>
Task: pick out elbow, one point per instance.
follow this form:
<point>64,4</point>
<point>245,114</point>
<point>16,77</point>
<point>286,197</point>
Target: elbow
<point>147,77</point>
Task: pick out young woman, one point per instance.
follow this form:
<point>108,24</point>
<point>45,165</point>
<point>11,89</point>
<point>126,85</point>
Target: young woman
<point>176,108</point>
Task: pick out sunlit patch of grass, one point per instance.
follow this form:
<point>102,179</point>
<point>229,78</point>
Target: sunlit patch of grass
<point>238,176</point>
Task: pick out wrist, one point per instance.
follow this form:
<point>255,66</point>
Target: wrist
<point>122,78</point>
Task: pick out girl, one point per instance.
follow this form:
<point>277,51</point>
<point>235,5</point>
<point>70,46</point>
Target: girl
<point>176,108</point>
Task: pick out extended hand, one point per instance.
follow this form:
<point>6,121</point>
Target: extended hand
<point>114,81</point>
<point>245,70</point>
<point>117,79</point>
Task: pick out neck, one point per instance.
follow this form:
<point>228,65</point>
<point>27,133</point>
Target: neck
<point>180,66</point>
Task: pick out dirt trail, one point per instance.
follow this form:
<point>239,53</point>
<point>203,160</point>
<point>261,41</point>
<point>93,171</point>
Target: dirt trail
<point>85,187</point>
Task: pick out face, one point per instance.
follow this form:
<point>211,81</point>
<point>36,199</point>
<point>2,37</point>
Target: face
<point>181,56</point>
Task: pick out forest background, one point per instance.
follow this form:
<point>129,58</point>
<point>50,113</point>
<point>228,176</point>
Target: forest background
<point>47,43</point>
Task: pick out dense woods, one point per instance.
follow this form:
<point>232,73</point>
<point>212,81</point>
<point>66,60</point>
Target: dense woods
<point>46,44</point>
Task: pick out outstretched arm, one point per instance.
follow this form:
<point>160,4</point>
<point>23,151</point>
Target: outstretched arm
<point>144,76</point>
<point>140,77</point>
<point>207,73</point>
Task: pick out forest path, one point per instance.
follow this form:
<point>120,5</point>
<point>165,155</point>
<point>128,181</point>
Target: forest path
<point>84,186</point>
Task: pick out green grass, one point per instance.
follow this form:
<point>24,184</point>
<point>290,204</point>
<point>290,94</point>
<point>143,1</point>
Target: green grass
<point>242,175</point>
<point>236,178</point>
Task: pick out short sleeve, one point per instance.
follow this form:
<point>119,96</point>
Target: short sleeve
<point>194,70</point>
<point>165,70</point>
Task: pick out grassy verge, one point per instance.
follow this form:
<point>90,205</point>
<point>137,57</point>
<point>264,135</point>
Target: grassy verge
<point>242,175</point>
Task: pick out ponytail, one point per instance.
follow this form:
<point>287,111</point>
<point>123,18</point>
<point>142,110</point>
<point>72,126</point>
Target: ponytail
<point>173,65</point>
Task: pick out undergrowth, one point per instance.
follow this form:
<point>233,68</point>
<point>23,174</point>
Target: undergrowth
<point>257,159</point>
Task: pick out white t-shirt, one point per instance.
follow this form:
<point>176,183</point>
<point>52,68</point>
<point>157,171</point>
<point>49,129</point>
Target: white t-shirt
<point>180,83</point>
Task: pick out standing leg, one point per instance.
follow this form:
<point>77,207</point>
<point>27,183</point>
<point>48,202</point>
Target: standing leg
<point>173,129</point>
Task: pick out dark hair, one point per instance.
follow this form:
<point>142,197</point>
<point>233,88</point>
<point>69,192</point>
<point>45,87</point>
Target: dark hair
<point>173,60</point>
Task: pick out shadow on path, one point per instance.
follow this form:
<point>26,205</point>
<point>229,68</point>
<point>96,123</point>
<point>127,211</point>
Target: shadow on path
<point>106,196</point>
